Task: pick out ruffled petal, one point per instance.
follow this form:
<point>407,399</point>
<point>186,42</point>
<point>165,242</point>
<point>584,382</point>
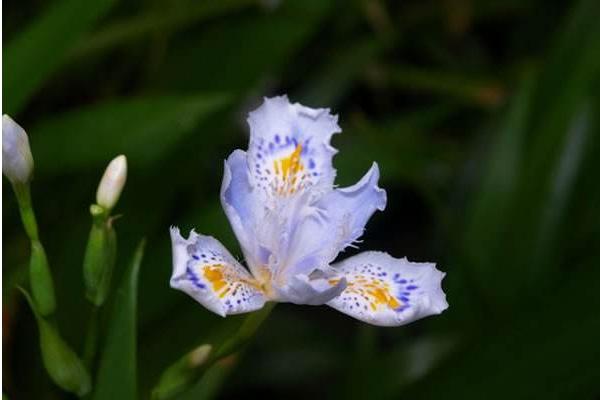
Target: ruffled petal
<point>335,221</point>
<point>289,150</point>
<point>205,270</point>
<point>387,291</point>
<point>349,209</point>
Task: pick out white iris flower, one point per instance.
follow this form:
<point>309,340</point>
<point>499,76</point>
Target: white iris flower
<point>292,222</point>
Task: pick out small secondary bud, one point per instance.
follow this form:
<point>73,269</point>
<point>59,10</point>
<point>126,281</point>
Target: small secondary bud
<point>112,183</point>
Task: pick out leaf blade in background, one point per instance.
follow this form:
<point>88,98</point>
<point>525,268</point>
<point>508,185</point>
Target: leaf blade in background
<point>39,50</point>
<point>512,361</point>
<point>128,30</point>
<point>517,218</point>
<point>117,374</point>
<point>271,39</point>
<point>88,136</point>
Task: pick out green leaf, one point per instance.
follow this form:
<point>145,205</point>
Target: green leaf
<point>547,351</point>
<point>533,169</point>
<point>117,374</point>
<point>144,129</point>
<point>270,41</point>
<point>62,364</point>
<point>335,79</point>
<point>489,216</point>
<point>164,19</point>
<point>556,124</point>
<point>39,50</point>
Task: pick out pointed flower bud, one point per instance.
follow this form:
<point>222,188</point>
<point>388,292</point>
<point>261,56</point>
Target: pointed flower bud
<point>17,161</point>
<point>112,183</point>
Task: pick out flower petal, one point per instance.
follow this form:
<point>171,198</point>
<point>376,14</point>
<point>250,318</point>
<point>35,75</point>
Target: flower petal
<point>301,289</point>
<point>289,148</point>
<point>338,219</point>
<point>349,209</point>
<point>205,270</point>
<point>387,291</point>
<point>243,207</point>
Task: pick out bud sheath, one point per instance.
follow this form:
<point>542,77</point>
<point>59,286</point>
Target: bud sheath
<point>99,259</point>
<point>42,285</point>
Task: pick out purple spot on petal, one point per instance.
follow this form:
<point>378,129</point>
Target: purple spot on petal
<point>311,164</point>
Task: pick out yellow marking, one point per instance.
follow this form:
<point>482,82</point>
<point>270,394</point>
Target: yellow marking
<point>224,292</point>
<point>291,164</point>
<point>288,168</point>
<point>215,276</point>
<point>382,296</point>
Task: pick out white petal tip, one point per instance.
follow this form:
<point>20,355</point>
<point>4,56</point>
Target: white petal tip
<point>17,161</point>
<point>112,182</point>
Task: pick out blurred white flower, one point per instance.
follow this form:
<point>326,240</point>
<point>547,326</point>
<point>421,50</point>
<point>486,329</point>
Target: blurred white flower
<point>112,183</point>
<point>17,162</point>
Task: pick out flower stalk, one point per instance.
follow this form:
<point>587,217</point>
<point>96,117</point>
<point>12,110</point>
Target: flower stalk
<point>17,166</point>
<point>186,371</point>
<point>101,248</point>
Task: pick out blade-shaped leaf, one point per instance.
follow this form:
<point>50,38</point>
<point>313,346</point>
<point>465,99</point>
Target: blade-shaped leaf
<point>512,361</point>
<point>535,163</point>
<point>144,26</point>
<point>90,135</point>
<point>117,375</point>
<point>37,51</point>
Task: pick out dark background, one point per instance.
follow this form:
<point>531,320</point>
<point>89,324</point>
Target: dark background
<point>483,117</point>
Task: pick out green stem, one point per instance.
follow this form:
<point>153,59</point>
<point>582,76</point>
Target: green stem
<point>91,339</point>
<point>40,277</point>
<point>244,334</point>
<point>184,374</point>
<point>23,194</point>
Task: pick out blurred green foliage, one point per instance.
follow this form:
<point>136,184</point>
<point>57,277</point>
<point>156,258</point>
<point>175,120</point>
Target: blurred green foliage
<point>483,116</point>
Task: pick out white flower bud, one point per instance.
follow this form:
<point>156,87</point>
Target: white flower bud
<point>112,183</point>
<point>17,162</point>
